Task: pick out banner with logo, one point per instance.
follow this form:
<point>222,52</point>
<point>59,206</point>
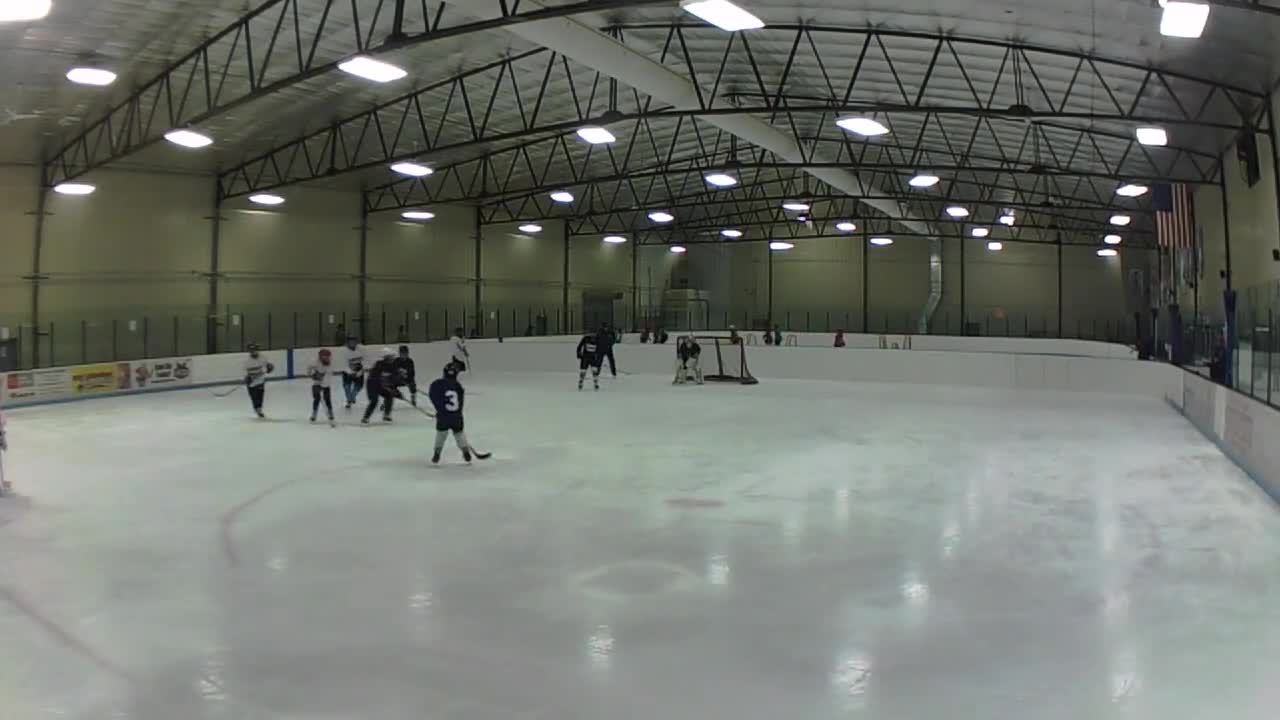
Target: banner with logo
<point>37,385</point>
<point>162,373</point>
<point>101,378</point>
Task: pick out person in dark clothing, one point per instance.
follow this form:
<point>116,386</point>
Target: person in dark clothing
<point>407,374</point>
<point>447,397</point>
<point>840,339</point>
<point>402,334</point>
<point>1218,363</point>
<point>768,336</point>
<point>604,345</point>
<point>660,337</point>
<point>381,385</point>
<point>590,357</point>
<point>777,336</point>
<point>644,335</point>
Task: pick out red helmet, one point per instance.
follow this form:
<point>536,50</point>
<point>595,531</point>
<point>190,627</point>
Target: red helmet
<point>325,354</point>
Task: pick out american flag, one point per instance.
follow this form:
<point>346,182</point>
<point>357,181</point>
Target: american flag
<point>1175,216</point>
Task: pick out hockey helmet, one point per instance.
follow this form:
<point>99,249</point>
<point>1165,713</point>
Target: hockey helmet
<point>325,354</point>
<point>388,352</point>
<point>451,371</point>
<point>404,351</point>
<point>253,347</point>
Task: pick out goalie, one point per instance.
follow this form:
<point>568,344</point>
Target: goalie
<point>689,353</point>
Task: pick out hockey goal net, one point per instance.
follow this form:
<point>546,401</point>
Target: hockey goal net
<point>725,361</point>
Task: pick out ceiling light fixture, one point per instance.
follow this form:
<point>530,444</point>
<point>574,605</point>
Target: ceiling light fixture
<point>1120,220</point>
<point>678,249</point>
<point>660,216</point>
<point>923,181</point>
<point>723,14</point>
<point>266,199</point>
<point>417,215</point>
<point>70,188</point>
<point>846,226</point>
<point>363,66</point>
<point>1152,136</point>
<point>980,232</point>
<point>795,206</point>
<point>995,246</point>
<point>614,239</point>
<point>721,180</point>
<point>881,241</point>
<point>1112,239</point>
<point>562,196</point>
<point>188,139</point>
<point>90,76</point>
<point>957,211</point>
<point>596,135</point>
<point>1107,252</point>
<point>731,233</point>
<point>1183,19</point>
<point>781,245</point>
<point>24,10</point>
<point>411,169</point>
<point>530,228</point>
<point>864,126</point>
<point>1008,219</point>
<point>1131,191</point>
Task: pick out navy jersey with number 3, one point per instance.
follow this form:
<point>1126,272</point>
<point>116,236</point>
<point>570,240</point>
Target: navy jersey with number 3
<point>447,396</point>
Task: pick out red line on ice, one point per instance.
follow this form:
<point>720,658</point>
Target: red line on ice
<point>230,517</point>
<point>65,636</point>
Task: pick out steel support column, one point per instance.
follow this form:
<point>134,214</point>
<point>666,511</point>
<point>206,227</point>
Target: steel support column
<point>964,317</point>
<point>769,311</point>
<point>215,242</point>
<point>1226,224</point>
<point>362,288</point>
<point>564,287</point>
<point>1058,241</point>
<point>479,237</point>
<point>635,290</point>
<point>42,200</point>
<point>866,276</point>
<point>1275,157</point>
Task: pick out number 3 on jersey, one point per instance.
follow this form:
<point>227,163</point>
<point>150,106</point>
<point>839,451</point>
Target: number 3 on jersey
<point>451,401</point>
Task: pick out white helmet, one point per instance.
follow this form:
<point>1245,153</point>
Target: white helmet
<point>388,352</point>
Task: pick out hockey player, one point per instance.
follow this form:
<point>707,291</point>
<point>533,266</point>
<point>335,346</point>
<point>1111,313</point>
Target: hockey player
<point>407,374</point>
<point>689,353</point>
<point>321,374</point>
<point>352,358</point>
<point>590,355</point>
<point>5,484</point>
<point>604,341</point>
<point>381,385</point>
<point>447,396</point>
<point>461,356</point>
<point>256,370</point>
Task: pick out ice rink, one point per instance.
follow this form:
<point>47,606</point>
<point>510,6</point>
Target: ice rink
<point>796,549</point>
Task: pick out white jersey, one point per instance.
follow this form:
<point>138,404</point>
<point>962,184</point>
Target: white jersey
<point>352,359</point>
<point>459,348</point>
<point>256,369</point>
<point>321,375</point>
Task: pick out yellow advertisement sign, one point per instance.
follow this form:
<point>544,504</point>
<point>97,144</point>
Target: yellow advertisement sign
<point>105,377</point>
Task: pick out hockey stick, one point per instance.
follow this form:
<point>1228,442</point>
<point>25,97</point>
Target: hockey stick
<point>225,393</point>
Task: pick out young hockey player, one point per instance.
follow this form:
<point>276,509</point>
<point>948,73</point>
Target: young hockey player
<point>321,374</point>
<point>352,358</point>
<point>6,485</point>
<point>447,396</point>
<point>689,353</point>
<point>256,369</point>
<point>381,385</point>
<point>461,356</point>
<point>408,374</point>
<point>590,356</point>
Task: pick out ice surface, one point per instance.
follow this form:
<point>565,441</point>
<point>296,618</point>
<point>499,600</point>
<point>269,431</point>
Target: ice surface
<point>791,550</point>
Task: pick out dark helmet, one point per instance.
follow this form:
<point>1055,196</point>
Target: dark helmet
<point>404,351</point>
<point>253,347</point>
<point>451,371</point>
<point>352,341</point>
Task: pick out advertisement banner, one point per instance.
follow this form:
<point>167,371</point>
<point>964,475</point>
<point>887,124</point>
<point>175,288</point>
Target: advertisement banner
<point>101,378</point>
<point>162,373</point>
<point>37,385</point>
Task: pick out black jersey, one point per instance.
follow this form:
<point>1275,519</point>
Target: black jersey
<point>589,350</point>
<point>385,375</point>
<point>688,350</point>
<point>406,372</point>
<point>447,396</point>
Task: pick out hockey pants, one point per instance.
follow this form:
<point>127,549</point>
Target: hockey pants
<point>318,394</point>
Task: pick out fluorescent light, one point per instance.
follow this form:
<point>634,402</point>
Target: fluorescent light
<point>678,249</point>
<point>70,188</point>
<point>660,216</point>
<point>863,126</point>
<point>188,139</point>
<point>795,206</point>
<point>780,245</point>
<point>411,169</point>
<point>846,226</point>
<point>980,232</point>
<point>266,199</point>
<point>366,67</point>
<point>596,135</point>
<point>956,211</point>
<point>995,246</point>
<point>723,14</point>
<point>530,228</point>
<point>1107,252</point>
<point>614,239</point>
<point>1120,220</point>
<point>881,241</point>
<point>923,181</point>
<point>24,10</point>
<point>721,180</point>
<point>1112,240</point>
<point>89,76</point>
<point>731,233</point>
<point>1154,136</point>
<point>1131,190</point>
<point>417,215</point>
<point>1007,219</point>
<point>562,196</point>
<point>1183,19</point>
